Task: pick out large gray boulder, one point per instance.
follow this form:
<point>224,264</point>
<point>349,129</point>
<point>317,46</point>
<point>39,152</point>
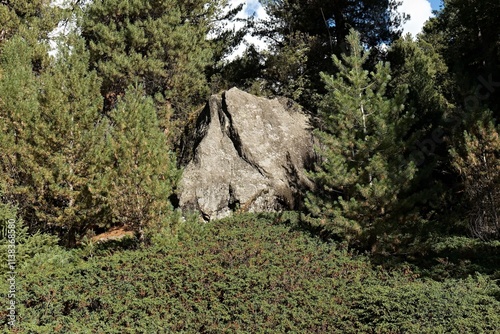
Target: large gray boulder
<point>245,153</point>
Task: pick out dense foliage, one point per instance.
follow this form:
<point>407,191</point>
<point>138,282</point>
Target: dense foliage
<point>362,170</point>
<point>467,40</point>
<point>304,35</point>
<point>250,274</point>
<point>61,155</point>
<point>162,45</point>
<point>144,173</point>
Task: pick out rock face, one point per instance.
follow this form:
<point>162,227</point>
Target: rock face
<point>245,153</point>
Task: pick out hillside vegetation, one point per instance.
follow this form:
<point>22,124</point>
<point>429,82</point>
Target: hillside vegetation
<point>249,274</point>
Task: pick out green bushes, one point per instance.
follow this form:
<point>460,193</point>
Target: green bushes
<point>248,274</point>
<point>69,168</point>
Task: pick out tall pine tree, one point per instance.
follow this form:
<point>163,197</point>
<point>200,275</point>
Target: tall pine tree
<point>160,44</point>
<point>71,148</point>
<point>33,19</point>
<point>316,29</point>
<point>362,168</point>
<point>417,63</point>
<point>19,115</point>
<point>54,140</point>
<point>144,173</point>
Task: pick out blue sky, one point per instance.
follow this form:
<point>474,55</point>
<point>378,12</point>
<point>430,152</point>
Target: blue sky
<point>435,4</point>
<point>252,7</point>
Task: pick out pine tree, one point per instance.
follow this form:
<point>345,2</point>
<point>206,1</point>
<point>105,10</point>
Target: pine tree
<point>471,86</point>
<point>477,160</point>
<point>160,44</point>
<point>19,115</point>
<point>24,29</point>
<point>417,63</point>
<point>33,19</point>
<point>315,30</point>
<point>362,168</point>
<point>468,36</point>
<point>54,142</point>
<point>71,149</point>
<point>286,72</point>
<point>144,173</point>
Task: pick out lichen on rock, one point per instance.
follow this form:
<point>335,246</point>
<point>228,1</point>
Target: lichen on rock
<point>245,153</point>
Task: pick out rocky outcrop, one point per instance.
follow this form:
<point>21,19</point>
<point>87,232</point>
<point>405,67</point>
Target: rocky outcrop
<point>245,153</point>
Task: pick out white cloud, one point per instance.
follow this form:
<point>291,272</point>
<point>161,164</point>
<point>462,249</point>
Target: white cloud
<point>420,11</point>
<point>250,8</point>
